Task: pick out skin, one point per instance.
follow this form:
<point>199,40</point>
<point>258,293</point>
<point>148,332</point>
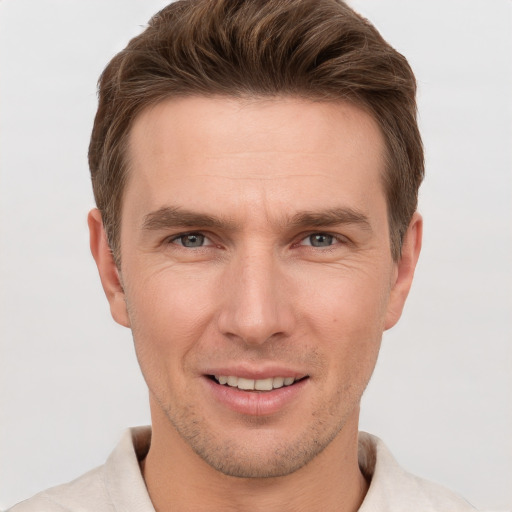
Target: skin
<point>292,271</point>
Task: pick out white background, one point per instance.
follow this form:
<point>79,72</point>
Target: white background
<point>69,381</point>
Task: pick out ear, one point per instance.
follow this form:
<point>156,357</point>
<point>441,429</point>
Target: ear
<point>404,273</point>
<point>109,274</point>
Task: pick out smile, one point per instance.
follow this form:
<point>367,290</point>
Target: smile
<point>261,396</point>
<point>254,384</point>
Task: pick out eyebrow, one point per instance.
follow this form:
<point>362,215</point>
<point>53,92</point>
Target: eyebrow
<point>331,217</point>
<point>172,217</point>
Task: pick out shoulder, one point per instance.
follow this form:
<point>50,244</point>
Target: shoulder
<point>117,485</point>
<point>86,493</point>
<point>394,489</point>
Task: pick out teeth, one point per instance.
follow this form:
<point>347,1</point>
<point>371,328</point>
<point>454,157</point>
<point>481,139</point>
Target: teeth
<point>264,384</point>
<point>246,384</point>
<point>255,384</point>
<point>278,382</point>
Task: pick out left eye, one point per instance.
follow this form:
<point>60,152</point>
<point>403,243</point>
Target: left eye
<point>191,240</point>
<point>319,240</point>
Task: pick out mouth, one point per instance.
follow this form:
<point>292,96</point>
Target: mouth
<point>256,392</point>
<point>261,385</point>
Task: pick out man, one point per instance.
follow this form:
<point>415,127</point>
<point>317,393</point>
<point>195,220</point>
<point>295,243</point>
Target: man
<point>255,167</point>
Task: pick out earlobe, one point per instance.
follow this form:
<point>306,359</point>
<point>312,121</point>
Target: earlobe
<point>411,248</point>
<point>107,268</point>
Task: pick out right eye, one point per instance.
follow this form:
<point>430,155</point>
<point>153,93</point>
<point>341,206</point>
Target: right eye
<point>320,240</point>
<point>191,240</point>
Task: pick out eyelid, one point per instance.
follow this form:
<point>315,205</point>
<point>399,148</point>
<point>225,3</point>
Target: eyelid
<point>340,239</point>
<point>173,238</point>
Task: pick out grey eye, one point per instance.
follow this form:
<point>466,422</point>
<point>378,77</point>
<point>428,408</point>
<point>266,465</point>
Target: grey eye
<point>191,240</point>
<point>320,240</point>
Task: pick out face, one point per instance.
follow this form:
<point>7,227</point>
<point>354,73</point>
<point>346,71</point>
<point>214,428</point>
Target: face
<point>256,274</point>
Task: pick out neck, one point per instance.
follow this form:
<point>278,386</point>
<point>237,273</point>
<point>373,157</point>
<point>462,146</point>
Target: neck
<point>178,479</point>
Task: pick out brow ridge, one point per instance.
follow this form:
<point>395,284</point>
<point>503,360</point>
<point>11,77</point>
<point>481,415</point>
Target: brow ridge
<point>331,217</point>
<point>170,217</point>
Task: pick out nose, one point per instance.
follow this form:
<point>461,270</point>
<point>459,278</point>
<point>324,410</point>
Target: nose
<point>256,304</point>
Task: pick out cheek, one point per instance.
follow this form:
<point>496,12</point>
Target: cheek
<point>346,301</point>
<point>168,314</point>
<point>346,313</point>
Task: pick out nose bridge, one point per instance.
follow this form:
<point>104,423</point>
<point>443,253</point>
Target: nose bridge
<point>254,307</point>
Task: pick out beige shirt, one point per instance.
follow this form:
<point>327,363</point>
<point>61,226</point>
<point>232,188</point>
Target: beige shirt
<point>118,486</point>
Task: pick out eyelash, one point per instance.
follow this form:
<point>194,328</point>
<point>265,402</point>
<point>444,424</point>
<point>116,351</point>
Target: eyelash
<point>339,239</point>
<point>190,234</point>
<point>336,238</point>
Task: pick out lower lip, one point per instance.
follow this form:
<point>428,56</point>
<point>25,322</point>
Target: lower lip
<point>255,403</point>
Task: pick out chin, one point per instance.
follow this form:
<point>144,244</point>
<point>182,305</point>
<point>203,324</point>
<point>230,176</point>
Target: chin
<point>255,451</point>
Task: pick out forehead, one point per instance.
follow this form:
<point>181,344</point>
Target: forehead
<point>212,151</point>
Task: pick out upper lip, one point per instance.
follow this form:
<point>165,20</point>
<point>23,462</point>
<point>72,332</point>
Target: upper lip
<point>262,372</point>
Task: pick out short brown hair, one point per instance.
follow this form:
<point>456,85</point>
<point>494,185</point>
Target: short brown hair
<point>315,49</point>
